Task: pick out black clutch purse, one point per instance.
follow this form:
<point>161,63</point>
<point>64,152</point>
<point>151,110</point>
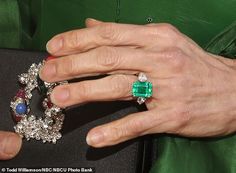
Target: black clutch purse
<point>71,150</point>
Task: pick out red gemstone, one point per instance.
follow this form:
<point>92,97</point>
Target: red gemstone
<point>21,93</point>
<point>16,118</point>
<point>50,58</point>
<point>49,104</point>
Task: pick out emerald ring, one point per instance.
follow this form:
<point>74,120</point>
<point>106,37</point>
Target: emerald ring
<point>142,89</point>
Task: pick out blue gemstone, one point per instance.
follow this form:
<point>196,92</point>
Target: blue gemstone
<point>21,109</point>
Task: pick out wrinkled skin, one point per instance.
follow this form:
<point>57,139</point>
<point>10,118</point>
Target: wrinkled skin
<point>194,91</point>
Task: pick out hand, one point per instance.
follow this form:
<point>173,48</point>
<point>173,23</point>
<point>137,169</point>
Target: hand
<point>194,91</point>
<point>10,144</point>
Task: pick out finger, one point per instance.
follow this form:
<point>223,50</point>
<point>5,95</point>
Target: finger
<point>129,127</point>
<point>98,61</point>
<point>105,34</point>
<point>89,22</point>
<point>10,144</point>
<point>114,87</point>
<point>92,22</point>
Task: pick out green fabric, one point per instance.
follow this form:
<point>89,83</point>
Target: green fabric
<point>224,43</point>
<point>201,20</point>
<point>28,27</point>
<point>186,155</point>
<point>9,24</point>
<point>191,17</point>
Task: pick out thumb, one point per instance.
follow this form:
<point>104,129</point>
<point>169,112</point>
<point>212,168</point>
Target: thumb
<point>10,144</point>
<point>89,22</point>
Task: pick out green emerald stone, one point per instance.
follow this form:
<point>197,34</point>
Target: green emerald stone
<point>142,89</point>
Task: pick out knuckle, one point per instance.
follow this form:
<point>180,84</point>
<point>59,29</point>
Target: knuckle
<point>169,32</point>
<point>176,58</point>
<point>126,129</point>
<point>152,31</point>
<point>120,85</point>
<point>179,85</point>
<point>108,57</point>
<point>151,24</point>
<point>62,67</point>
<point>69,67</point>
<point>84,91</point>
<point>73,40</point>
<point>115,134</point>
<point>134,128</point>
<point>108,31</point>
<point>169,28</point>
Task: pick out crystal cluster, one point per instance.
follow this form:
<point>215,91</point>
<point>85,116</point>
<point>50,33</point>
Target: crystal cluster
<point>29,126</point>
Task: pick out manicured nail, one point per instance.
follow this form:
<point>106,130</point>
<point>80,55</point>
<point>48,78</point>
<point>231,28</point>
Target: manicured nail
<point>95,138</point>
<point>60,95</point>
<point>54,45</point>
<point>91,19</point>
<point>10,145</point>
<point>48,71</point>
<point>92,22</point>
<point>50,58</point>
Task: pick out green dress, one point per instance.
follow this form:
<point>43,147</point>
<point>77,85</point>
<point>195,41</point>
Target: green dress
<point>30,24</point>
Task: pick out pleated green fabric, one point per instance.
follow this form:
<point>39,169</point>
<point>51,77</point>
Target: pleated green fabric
<point>10,34</point>
<point>224,43</point>
<point>209,23</point>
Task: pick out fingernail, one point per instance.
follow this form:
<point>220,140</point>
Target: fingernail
<point>54,45</point>
<point>48,71</point>
<point>50,58</point>
<point>92,22</point>
<point>10,145</point>
<point>92,19</point>
<point>60,95</point>
<point>95,138</point>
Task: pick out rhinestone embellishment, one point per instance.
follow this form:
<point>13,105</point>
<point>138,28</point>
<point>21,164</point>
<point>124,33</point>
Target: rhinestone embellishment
<point>46,128</point>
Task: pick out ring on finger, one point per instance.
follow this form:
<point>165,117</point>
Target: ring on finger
<point>142,88</point>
